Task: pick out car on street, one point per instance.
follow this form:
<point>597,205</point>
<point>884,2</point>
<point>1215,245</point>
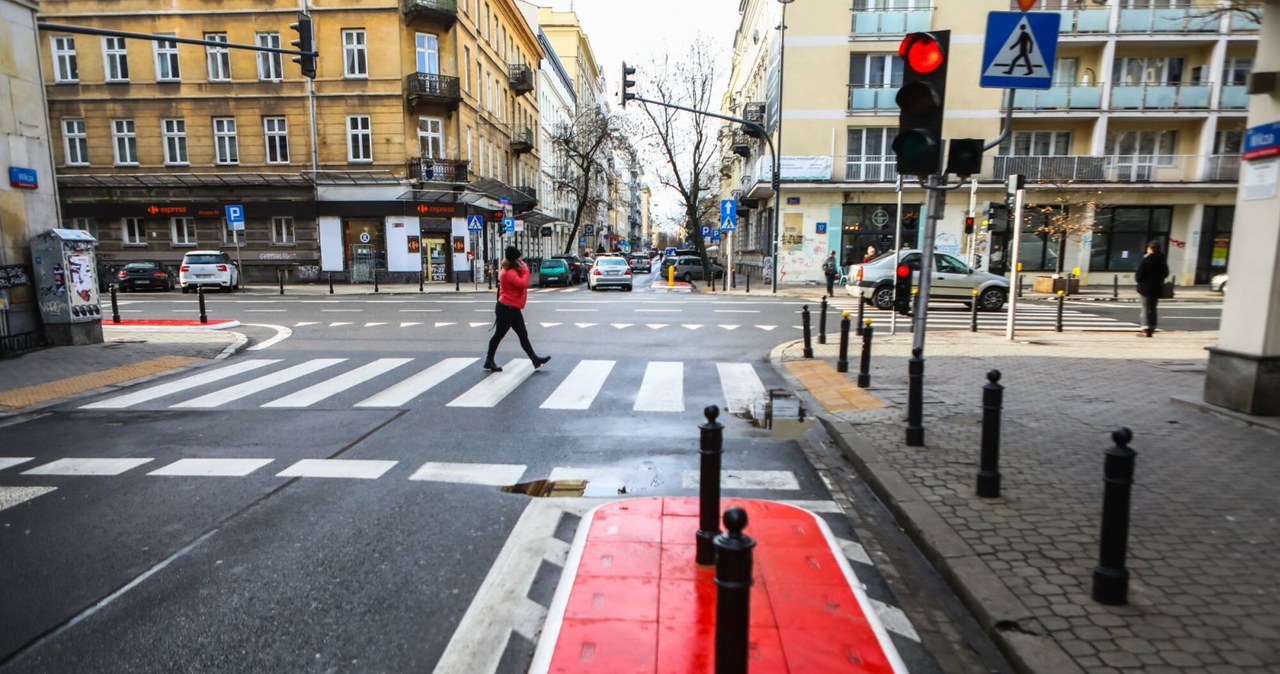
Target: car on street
<point>554,270</point>
<point>148,274</point>
<point>952,280</point>
<point>689,268</point>
<point>640,263</point>
<point>577,270</point>
<point>1218,284</point>
<point>610,272</point>
<point>208,268</point>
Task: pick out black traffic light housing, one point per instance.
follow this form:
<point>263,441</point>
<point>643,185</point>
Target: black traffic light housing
<point>305,43</point>
<point>627,83</point>
<point>902,289</point>
<point>921,101</point>
<point>968,224</point>
<point>964,156</point>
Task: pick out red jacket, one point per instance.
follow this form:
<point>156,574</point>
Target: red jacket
<point>513,286</point>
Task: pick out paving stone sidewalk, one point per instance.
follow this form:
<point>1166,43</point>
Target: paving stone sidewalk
<point>1204,538</point>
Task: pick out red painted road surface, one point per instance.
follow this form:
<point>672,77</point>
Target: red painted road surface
<point>632,599</point>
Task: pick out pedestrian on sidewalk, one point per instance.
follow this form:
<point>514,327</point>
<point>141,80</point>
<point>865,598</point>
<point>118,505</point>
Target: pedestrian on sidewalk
<point>513,292</point>
<point>829,268</point>
<point>1150,279</point>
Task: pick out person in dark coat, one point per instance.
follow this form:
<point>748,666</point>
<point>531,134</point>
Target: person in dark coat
<point>1150,279</point>
<point>829,270</point>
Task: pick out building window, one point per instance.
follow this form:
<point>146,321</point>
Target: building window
<point>282,231</point>
<point>869,155</point>
<point>64,59</point>
<point>1235,71</point>
<point>76,142</point>
<point>175,141</point>
<point>469,144</point>
<point>182,231</point>
<point>85,225</point>
<point>167,61</point>
<point>427,50</point>
<point>1140,70</point>
<point>1038,144</point>
<point>1121,239</point>
<point>431,137</point>
<point>219,58</point>
<point>276,130</point>
<point>132,232</point>
<point>115,59</point>
<point>1135,154</point>
<point>875,70</point>
<point>225,147</point>
<point>124,141</point>
<point>466,66</point>
<point>359,139</point>
<point>269,63</point>
<point>354,58</point>
<point>1228,142</point>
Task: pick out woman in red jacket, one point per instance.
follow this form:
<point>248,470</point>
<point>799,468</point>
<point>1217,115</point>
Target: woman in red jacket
<point>513,291</point>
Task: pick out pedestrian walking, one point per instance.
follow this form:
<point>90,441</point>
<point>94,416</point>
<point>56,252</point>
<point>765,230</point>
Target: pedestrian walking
<point>1150,279</point>
<point>513,292</point>
<point>829,269</point>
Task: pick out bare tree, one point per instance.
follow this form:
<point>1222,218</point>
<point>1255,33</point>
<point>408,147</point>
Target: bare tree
<point>583,145</point>
<point>1066,214</point>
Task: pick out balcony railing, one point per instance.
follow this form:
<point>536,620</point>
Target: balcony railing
<point>1159,96</point>
<point>1115,169</point>
<point>1078,21</point>
<point>1060,97</point>
<point>753,112</point>
<point>1234,97</point>
<point>432,88</point>
<point>740,146</point>
<point>442,11</point>
<point>522,142</point>
<point>871,169</point>
<point>1197,19</point>
<point>872,97</point>
<point>520,77</point>
<point>530,194</point>
<point>891,21</point>
<point>426,169</point>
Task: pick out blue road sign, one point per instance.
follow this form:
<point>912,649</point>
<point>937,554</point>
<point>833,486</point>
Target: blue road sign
<point>821,228</point>
<point>582,240</point>
<point>728,215</point>
<point>1019,50</point>
<point>715,235</point>
<point>589,230</point>
<point>706,230</point>
<point>508,224</point>
<point>235,217</point>
<point>475,223</point>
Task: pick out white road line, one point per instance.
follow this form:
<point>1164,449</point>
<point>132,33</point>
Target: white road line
<point>737,311</point>
<point>375,324</point>
<point>12,496</point>
<point>691,326</point>
<point>766,327</point>
<point>282,333</point>
<point>414,386</point>
<point>258,385</point>
<point>479,324</point>
<point>339,324</point>
<point>610,475</point>
<point>200,379</point>
<point>421,311</point>
<point>341,311</point>
<point>87,467</point>
<point>489,474</point>
<point>495,387</point>
<point>782,480</point>
<point>586,325</point>
<point>894,620</point>
<point>211,467</point>
<point>657,311</point>
<point>409,324</point>
<point>729,327</point>
<point>329,387</point>
<point>655,326</point>
<point>662,389</point>
<point>265,311</point>
<point>550,325</point>
<point>441,325</point>
<point>621,325</point>
<point>741,386</point>
<point>581,387</point>
<point>301,324</point>
<point>339,468</point>
<point>578,311</point>
<point>11,461</point>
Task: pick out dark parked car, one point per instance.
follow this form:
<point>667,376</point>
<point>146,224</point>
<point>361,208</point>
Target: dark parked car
<point>149,274</point>
<point>554,270</point>
<point>576,268</point>
<point>640,263</point>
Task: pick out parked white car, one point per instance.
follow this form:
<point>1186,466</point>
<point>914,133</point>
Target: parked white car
<point>209,268</point>
<point>1218,284</point>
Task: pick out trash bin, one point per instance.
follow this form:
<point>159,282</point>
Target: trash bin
<point>66,276</point>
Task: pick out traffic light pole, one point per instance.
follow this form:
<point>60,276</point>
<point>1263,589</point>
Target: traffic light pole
<point>936,199</point>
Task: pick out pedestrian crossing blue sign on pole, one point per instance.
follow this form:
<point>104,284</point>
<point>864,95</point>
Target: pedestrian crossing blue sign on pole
<point>1019,50</point>
<point>728,215</point>
<point>475,223</point>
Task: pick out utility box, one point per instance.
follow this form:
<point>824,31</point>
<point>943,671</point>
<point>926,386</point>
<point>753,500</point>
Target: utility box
<point>66,278</point>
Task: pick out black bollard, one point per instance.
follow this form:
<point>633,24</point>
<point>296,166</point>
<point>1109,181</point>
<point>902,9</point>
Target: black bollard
<point>734,552</point>
<point>973,312</point>
<point>204,318</point>
<point>1058,326</point>
<point>330,283</point>
<point>1110,577</point>
<point>989,469</point>
<point>1115,287</point>
<point>420,280</point>
<point>748,279</point>
<point>822,323</point>
<point>115,307</point>
<point>457,283</point>
<point>864,365</point>
<point>862,304</point>
<point>808,338</point>
<point>1019,285</point>
<point>915,401</point>
<point>280,279</point>
<point>842,363</point>
<point>711,447</point>
<point>375,280</point>
<point>724,283</point>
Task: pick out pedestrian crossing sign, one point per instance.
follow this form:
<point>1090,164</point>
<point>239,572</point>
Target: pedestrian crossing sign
<point>1019,50</point>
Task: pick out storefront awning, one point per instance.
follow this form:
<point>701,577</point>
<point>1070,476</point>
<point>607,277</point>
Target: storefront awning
<point>442,196</point>
<point>181,180</point>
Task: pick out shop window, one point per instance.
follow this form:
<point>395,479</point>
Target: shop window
<point>132,232</point>
<point>1124,233</point>
<point>182,231</point>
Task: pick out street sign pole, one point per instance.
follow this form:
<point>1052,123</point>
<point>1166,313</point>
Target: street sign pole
<point>935,200</point>
<point>1011,257</point>
<point>897,254</point>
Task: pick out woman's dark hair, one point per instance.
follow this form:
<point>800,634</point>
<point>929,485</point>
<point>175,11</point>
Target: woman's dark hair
<point>1154,245</point>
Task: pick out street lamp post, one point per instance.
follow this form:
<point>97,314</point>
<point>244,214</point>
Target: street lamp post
<point>777,153</point>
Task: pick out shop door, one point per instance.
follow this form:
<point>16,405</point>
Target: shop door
<point>363,260</point>
<point>1215,242</point>
<point>437,259</point>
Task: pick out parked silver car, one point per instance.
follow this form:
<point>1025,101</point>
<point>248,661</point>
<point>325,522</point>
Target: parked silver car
<point>689,268</point>
<point>952,280</point>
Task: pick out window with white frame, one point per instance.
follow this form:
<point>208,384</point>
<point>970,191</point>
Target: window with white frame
<point>175,141</point>
<point>282,231</point>
<point>167,61</point>
<point>1235,71</point>
<point>219,58</point>
<point>64,59</point>
<point>1228,142</point>
<point>76,142</point>
<point>85,225</point>
<point>276,132</point>
<point>431,137</point>
<point>469,144</point>
<point>124,141</point>
<point>875,70</point>
<point>1038,144</point>
<point>132,232</point>
<point>1143,148</point>
<point>427,52</point>
<point>115,59</point>
<point>1138,70</point>
<point>466,67</point>
<point>226,149</point>
<point>869,154</point>
<point>355,58</point>
<point>359,139</point>
<point>182,231</point>
<point>269,63</point>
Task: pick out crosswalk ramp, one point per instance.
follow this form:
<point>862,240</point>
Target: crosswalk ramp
<point>454,383</point>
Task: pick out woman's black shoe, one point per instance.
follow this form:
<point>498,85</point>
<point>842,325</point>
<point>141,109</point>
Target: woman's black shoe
<point>492,367</point>
<point>540,361</point>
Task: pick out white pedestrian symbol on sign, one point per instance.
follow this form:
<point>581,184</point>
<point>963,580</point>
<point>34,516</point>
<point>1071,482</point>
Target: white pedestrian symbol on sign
<point>1019,51</point>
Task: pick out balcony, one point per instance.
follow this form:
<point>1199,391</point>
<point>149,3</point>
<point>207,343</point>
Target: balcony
<point>520,77</point>
<point>430,88</point>
<point>1060,97</point>
<point>1083,21</point>
<point>866,97</point>
<point>1198,19</point>
<point>1234,97</point>
<point>871,169</point>
<point>444,12</point>
<point>753,112</point>
<point>1243,23</point>
<point>740,146</point>
<point>529,200</point>
<point>1115,169</point>
<point>871,22</point>
<point>1159,96</point>
<point>522,142</point>
<point>429,170</point>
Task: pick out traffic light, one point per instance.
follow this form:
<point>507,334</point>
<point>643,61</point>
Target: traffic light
<point>902,289</point>
<point>968,224</point>
<point>964,156</point>
<point>304,43</point>
<point>921,101</point>
<point>627,83</point>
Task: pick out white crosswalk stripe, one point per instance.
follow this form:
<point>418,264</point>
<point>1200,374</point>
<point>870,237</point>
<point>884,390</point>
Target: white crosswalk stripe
<point>581,387</point>
<point>12,496</point>
<point>130,399</point>
<point>260,384</point>
<point>418,384</point>
<point>86,467</point>
<point>211,467</point>
<point>662,389</point>
<point>496,386</point>
<point>356,469</point>
<point>314,394</point>
<point>741,386</point>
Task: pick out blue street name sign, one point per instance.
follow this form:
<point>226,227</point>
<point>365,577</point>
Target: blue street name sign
<point>475,223</point>
<point>1261,141</point>
<point>235,217</point>
<point>1019,50</point>
<point>508,224</point>
<point>728,215</point>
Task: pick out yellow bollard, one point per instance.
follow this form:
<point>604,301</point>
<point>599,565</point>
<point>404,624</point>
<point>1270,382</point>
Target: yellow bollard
<point>671,276</point>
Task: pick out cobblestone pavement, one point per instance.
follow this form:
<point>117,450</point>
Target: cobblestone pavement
<point>1204,538</point>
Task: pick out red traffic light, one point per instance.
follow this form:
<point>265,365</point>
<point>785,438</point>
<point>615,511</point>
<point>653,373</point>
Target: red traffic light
<point>922,52</point>
<point>904,271</point>
<point>968,221</point>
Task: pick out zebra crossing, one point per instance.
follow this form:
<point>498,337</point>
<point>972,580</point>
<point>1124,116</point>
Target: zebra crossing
<point>454,382</point>
<point>1029,317</point>
<point>461,325</point>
